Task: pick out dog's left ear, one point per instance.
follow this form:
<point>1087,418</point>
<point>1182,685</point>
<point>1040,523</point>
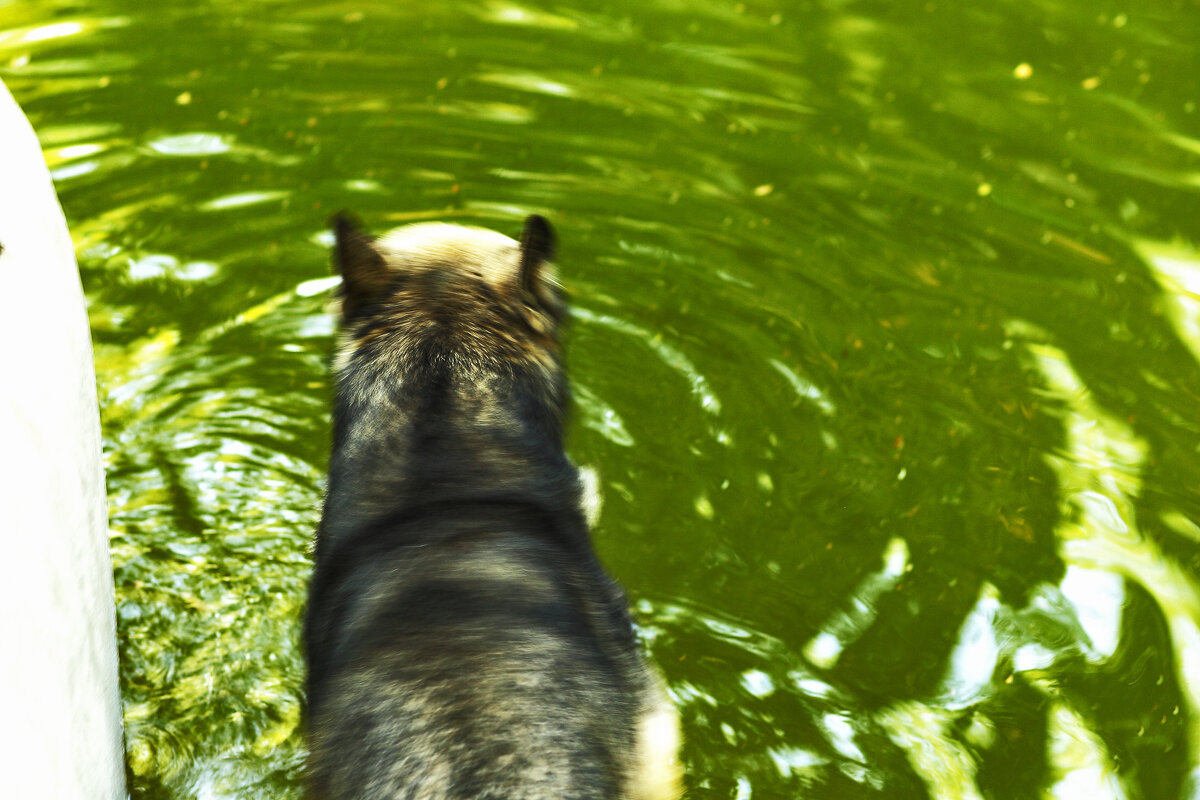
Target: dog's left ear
<point>537,250</point>
<point>365,273</point>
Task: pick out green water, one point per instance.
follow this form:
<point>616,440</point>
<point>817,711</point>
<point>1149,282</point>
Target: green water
<point>886,350</point>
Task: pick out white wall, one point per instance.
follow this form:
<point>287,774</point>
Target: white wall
<point>60,713</point>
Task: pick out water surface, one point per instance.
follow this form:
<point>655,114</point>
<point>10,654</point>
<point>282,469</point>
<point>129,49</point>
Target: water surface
<point>885,349</point>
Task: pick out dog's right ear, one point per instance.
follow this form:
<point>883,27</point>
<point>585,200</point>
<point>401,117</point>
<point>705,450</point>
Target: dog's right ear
<point>365,273</point>
<point>537,250</point>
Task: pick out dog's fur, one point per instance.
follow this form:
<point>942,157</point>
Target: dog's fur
<point>462,639</point>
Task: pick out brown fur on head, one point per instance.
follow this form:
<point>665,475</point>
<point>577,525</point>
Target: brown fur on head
<point>447,325</point>
<point>467,292</point>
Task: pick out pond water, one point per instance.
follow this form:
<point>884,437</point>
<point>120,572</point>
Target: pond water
<point>886,349</point>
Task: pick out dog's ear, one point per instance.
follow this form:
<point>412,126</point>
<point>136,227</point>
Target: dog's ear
<point>537,249</point>
<point>365,274</point>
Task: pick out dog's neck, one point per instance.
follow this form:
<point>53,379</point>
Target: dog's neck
<point>453,446</point>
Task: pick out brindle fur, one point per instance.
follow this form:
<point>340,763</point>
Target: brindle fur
<point>462,639</point>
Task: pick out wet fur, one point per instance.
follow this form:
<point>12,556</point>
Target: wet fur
<point>462,639</point>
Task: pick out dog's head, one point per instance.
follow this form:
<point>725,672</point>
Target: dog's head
<point>436,302</point>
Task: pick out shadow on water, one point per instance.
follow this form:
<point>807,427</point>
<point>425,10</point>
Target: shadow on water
<point>886,348</point>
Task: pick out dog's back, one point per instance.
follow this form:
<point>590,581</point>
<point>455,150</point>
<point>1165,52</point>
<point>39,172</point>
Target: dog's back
<point>463,641</point>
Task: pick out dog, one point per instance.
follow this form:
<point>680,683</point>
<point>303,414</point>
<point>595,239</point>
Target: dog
<point>462,639</point>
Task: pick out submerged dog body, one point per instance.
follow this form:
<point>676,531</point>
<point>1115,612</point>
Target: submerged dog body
<point>462,639</point>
